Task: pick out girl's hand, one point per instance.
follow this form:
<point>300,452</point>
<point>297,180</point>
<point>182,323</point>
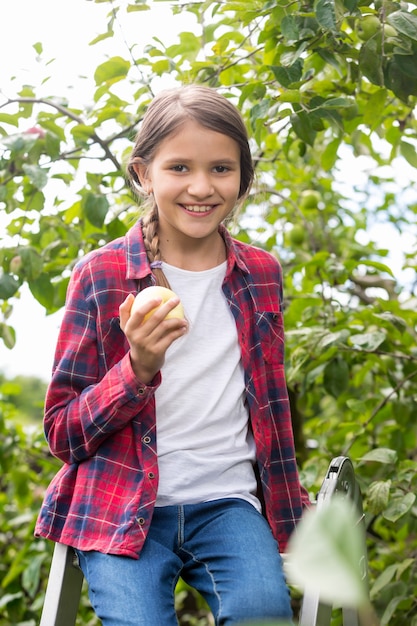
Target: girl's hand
<point>150,339</point>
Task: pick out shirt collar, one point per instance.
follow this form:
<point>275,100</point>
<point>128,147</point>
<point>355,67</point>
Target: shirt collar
<point>234,256</point>
<point>137,264</point>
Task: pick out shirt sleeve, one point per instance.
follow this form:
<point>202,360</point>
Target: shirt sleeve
<point>93,391</point>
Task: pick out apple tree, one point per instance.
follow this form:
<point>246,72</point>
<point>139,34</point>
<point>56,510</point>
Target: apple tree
<point>328,90</point>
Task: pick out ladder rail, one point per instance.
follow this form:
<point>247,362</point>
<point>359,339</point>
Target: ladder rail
<point>340,480</point>
<point>63,591</point>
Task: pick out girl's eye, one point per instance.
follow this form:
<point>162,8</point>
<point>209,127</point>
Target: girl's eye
<point>221,169</point>
<point>179,168</point>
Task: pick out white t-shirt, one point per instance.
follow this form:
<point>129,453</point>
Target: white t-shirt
<point>205,448</point>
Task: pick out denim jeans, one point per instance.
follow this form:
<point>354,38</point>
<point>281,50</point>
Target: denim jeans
<point>223,548</point>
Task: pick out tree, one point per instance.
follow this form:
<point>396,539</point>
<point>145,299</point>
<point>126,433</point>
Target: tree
<point>320,84</point>
<point>27,394</point>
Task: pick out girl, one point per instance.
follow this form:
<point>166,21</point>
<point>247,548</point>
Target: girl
<point>176,434</point>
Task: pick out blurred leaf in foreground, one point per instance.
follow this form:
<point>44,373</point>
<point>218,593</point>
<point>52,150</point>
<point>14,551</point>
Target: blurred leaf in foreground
<point>325,554</point>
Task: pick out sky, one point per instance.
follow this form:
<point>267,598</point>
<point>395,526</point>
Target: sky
<point>65,27</point>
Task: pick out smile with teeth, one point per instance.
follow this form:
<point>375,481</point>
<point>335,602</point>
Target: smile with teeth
<point>198,208</point>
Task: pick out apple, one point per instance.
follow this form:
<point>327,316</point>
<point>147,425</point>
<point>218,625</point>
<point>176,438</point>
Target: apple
<point>156,292</point>
<point>389,31</point>
<point>389,38</point>
<point>297,235</point>
<point>36,130</point>
<point>16,264</point>
<point>310,199</point>
<point>368,26</point>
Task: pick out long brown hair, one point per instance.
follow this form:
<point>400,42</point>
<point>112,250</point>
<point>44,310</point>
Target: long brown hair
<point>166,113</point>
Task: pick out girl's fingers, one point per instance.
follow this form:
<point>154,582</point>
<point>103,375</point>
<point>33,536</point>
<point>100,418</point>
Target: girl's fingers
<point>124,310</point>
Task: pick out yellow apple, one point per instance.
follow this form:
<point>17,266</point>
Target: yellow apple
<point>156,292</point>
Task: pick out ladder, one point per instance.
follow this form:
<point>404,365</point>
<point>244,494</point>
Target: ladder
<point>340,480</point>
<point>65,580</point>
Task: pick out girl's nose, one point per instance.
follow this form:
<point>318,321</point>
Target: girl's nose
<point>200,186</point>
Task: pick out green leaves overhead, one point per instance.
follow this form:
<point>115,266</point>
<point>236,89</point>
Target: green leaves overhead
<point>111,71</point>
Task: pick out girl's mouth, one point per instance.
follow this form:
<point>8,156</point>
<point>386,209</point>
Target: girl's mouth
<point>198,208</point>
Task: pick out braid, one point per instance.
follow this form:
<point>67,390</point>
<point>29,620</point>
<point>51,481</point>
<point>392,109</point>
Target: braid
<point>151,239</point>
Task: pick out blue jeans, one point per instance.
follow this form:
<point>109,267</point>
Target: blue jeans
<point>224,549</point>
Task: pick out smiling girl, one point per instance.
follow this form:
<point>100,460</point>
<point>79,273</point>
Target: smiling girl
<point>176,434</point>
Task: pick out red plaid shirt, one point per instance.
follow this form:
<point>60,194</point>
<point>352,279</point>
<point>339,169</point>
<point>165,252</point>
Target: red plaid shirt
<point>100,420</point>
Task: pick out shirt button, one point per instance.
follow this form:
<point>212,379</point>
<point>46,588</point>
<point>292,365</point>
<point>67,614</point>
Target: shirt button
<point>151,475</point>
<point>141,521</point>
<point>146,439</point>
<point>141,391</point>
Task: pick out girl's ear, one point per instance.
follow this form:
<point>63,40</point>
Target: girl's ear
<point>141,171</point>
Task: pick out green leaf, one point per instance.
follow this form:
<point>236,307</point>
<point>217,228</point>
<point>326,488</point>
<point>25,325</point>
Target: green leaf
<point>336,377</point>
<point>287,75</point>
<point>388,614</point>
<point>37,175</point>
<point>329,155</point>
<point>375,107</point>
<point>325,13</point>
<point>368,341</point>
<point>32,574</point>
<point>303,128</point>
<point>381,267</point>
<point>8,118</point>
<point>398,322</point>
<point>9,598</point>
<point>95,209</point>
<point>400,79</point>
<point>8,286</point>
<point>332,338</point>
<point>384,579</point>
<point>381,455</point>
<point>399,506</point>
<point>406,64</point>
<point>325,554</point>
<point>289,28</point>
<point>378,496</point>
<point>111,71</point>
<point>404,22</point>
<point>370,62</point>
<point>409,152</point>
<point>35,201</point>
<point>43,290</point>
<point>132,8</point>
<point>32,262</point>
<point>8,335</point>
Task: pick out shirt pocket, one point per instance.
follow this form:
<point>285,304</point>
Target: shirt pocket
<point>270,327</point>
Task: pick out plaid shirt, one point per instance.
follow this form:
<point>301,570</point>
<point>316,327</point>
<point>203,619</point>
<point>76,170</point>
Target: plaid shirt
<point>100,420</point>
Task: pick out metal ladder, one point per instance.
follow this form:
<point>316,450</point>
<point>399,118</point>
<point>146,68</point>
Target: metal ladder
<point>63,590</point>
<point>340,479</point>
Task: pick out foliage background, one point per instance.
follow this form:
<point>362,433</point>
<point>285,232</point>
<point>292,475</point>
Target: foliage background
<point>320,86</point>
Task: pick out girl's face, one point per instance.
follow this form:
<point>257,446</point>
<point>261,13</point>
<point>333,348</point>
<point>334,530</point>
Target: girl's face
<point>195,179</point>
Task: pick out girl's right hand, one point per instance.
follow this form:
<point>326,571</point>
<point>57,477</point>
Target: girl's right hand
<point>150,339</point>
